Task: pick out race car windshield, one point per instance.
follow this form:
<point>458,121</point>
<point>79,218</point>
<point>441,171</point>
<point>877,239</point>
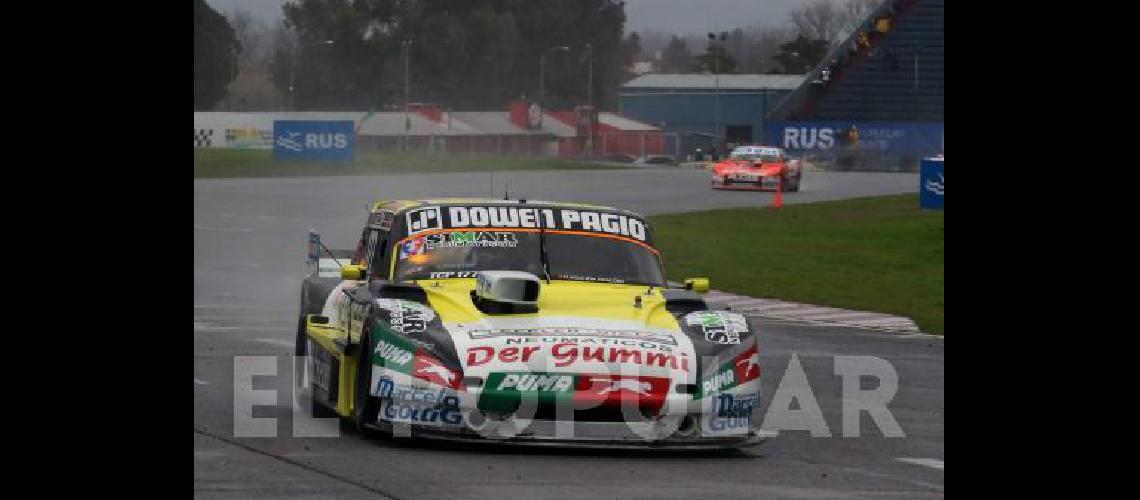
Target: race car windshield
<point>577,257</point>
<point>755,157</point>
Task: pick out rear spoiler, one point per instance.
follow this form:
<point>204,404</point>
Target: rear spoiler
<point>322,261</point>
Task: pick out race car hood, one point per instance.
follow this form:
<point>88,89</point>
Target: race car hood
<point>579,328</point>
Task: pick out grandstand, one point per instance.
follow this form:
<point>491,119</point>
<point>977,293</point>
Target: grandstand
<point>896,75</point>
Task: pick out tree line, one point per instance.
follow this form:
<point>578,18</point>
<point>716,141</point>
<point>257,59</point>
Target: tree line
<point>479,54</point>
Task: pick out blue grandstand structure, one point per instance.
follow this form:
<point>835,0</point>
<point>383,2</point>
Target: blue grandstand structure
<point>876,101</point>
<point>898,76</point>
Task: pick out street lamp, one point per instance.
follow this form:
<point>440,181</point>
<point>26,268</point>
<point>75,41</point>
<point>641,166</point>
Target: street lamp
<point>542,74</point>
<point>590,100</point>
<point>716,72</point>
<point>293,70</point>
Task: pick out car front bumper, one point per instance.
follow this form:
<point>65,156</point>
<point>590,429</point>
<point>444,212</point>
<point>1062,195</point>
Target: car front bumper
<point>760,184</point>
<point>595,435</point>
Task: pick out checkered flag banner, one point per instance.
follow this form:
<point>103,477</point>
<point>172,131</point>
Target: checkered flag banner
<point>203,138</point>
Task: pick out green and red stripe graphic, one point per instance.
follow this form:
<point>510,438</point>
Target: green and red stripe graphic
<point>744,367</point>
<point>399,354</point>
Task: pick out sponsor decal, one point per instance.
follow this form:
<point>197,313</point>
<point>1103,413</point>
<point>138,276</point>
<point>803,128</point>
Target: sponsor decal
<point>721,327</point>
<point>381,220</point>
<point>473,239</point>
<point>417,405</point>
<point>406,316</point>
<point>809,137</point>
<point>323,373</point>
<point>349,315</point>
<point>453,274</point>
<point>401,355</point>
<point>597,279</point>
<point>423,219</point>
<point>900,137</point>
<point>718,382</point>
<point>730,413</point>
<point>744,367</point>
<point>634,386</point>
<point>565,334</point>
<point>392,352</point>
<point>432,370</point>
<point>249,138</point>
<point>539,382</point>
<point>414,246</point>
<point>290,141</point>
<point>491,217</point>
<point>932,183</point>
<point>564,354</point>
<point>937,187</point>
<point>534,116</point>
<point>505,391</point>
<point>313,139</point>
<point>747,365</point>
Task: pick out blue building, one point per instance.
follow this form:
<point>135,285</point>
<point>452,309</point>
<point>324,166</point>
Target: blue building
<point>700,108</point>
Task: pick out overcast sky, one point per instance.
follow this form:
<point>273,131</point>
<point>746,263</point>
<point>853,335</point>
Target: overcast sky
<point>677,16</point>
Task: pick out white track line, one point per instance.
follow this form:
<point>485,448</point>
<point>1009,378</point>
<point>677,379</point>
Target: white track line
<point>847,316</point>
<point>814,310</point>
<point>209,327</point>
<point>771,307</point>
<point>925,462</point>
<point>200,382</point>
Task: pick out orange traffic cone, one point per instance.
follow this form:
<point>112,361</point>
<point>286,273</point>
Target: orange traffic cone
<point>779,201</point>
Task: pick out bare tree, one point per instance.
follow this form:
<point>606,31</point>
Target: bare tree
<point>852,13</point>
<point>253,36</point>
<point>817,19</point>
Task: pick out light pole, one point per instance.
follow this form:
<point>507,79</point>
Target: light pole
<point>407,46</point>
<point>716,73</point>
<point>590,100</point>
<point>542,74</point>
<point>293,71</point>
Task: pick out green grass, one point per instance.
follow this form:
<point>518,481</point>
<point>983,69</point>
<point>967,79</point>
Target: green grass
<point>260,163</point>
<point>880,254</point>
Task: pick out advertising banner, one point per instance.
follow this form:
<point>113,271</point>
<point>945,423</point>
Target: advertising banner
<point>314,140</point>
<point>931,184</point>
<point>883,137</point>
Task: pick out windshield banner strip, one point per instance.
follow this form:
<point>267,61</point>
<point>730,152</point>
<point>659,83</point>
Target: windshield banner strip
<point>493,218</point>
<point>520,230</point>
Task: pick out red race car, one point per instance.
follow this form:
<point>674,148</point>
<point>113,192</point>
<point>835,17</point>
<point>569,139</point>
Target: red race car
<point>756,168</point>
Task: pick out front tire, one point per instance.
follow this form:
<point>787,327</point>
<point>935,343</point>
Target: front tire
<point>365,408</point>
<point>316,409</point>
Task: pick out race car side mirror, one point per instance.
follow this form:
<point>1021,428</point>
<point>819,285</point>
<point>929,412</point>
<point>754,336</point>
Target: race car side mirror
<point>352,272</point>
<point>699,285</point>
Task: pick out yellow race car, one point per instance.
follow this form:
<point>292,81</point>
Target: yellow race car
<point>520,322</point>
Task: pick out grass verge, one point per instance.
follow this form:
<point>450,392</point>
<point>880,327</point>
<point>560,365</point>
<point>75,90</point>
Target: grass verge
<point>214,163</point>
<point>880,254</point>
